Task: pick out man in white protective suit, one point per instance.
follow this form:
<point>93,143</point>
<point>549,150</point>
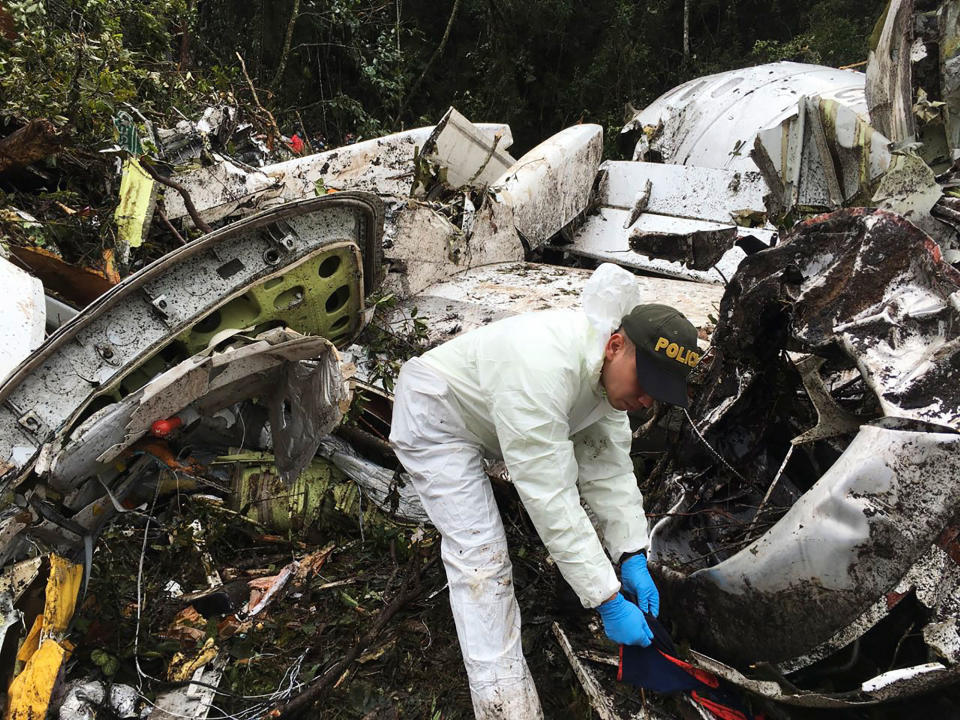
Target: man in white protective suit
<point>549,393</point>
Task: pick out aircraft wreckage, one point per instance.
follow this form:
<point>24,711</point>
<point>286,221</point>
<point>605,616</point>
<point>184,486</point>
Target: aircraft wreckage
<point>804,218</point>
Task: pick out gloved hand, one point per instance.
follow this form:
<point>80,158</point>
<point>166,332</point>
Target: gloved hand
<point>624,623</point>
<point>637,582</point>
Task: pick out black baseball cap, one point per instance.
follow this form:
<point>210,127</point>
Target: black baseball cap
<point>667,350</point>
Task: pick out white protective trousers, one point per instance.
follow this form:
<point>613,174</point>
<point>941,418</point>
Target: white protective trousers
<point>445,462</point>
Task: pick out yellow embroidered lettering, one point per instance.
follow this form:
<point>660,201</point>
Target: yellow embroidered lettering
<point>672,350</point>
<point>693,359</point>
<point>661,344</point>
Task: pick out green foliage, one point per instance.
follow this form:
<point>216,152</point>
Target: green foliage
<point>352,63</point>
<point>353,69</point>
<point>838,33</point>
<point>78,62</point>
<point>390,341</point>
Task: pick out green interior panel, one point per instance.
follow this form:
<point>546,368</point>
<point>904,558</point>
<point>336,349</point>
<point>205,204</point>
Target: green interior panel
<point>321,296</point>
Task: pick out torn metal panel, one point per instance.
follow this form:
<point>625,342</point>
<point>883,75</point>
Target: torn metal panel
<point>712,121</point>
<point>382,165</point>
<point>221,190</point>
<point>603,237</point>
<point>22,317</point>
<point>897,313</point>
<point>187,140</point>
<point>821,158</point>
<point>481,295</point>
<point>832,420</point>
<point>673,219</point>
<point>427,248</point>
<point>932,577</point>
<point>909,188</point>
<point>551,185</point>
<point>311,399</point>
<point>868,293</point>
<point>266,498</point>
<point>895,684</point>
<point>943,639</point>
<point>675,240</point>
<point>464,156</point>
<point>698,193</point>
<point>885,500</point>
<point>131,323</point>
<point>207,384</point>
<point>889,79</point>
<point>16,578</point>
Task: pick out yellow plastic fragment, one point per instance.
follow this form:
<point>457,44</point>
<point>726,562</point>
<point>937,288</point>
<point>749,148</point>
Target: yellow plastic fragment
<point>137,198</point>
<point>183,666</point>
<point>30,692</point>
<point>63,586</point>
<point>31,642</point>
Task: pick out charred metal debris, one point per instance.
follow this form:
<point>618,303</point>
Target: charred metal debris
<point>201,514</point>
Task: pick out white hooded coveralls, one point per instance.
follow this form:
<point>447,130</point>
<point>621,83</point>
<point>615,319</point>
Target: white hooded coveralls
<point>526,389</point>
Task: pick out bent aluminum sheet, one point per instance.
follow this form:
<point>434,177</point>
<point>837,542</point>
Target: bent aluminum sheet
<point>551,185</point>
<point>683,191</point>
<point>846,541</point>
<point>891,685</point>
<point>712,121</point>
<point>209,382</point>
<point>470,157</point>
<point>889,79</point>
<point>95,350</point>
<point>674,220</point>
<point>603,237</point>
<point>427,248</point>
<point>220,190</point>
<point>382,165</point>
<point>821,157</point>
<point>479,296</point>
<point>870,293</point>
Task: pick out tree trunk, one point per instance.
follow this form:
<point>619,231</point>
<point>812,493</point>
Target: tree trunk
<point>286,46</point>
<point>184,63</point>
<point>34,141</point>
<point>686,30</point>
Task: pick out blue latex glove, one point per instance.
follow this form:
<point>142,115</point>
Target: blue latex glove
<point>624,623</point>
<point>637,582</point>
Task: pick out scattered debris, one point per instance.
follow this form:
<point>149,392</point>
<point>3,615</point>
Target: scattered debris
<point>192,432</point>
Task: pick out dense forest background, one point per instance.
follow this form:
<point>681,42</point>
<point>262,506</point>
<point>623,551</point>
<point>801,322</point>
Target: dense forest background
<point>337,70</point>
<point>75,73</point>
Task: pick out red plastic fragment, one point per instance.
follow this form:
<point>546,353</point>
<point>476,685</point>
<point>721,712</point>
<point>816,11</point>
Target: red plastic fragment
<point>162,428</point>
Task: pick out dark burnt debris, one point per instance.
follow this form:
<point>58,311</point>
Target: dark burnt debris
<point>202,516</point>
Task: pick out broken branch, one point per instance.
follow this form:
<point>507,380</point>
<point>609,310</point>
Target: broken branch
<point>256,99</point>
<point>409,590</point>
<point>187,201</point>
